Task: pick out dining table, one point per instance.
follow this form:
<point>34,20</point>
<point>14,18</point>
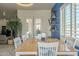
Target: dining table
<point>30,48</point>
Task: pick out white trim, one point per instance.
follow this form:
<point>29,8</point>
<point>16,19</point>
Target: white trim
<point>67,53</point>
<point>61,9</point>
<point>65,4</point>
<point>26,53</point>
<point>35,53</point>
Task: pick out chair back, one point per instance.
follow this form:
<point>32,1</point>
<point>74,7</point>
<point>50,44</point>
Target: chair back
<point>17,42</point>
<point>47,49</point>
<point>70,41</point>
<point>23,38</point>
<point>39,36</point>
<point>76,44</point>
<point>27,35</point>
<point>43,36</point>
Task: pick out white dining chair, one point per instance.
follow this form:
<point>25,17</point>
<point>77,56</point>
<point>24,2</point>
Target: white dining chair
<point>27,35</point>
<point>76,46</point>
<point>76,43</point>
<point>43,36</point>
<point>69,43</point>
<point>47,49</point>
<point>39,36</point>
<point>17,42</point>
<point>23,38</point>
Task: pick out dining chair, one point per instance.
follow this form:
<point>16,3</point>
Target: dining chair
<point>47,49</point>
<point>17,42</point>
<point>69,43</point>
<point>43,36</point>
<point>23,38</point>
<point>27,35</point>
<point>37,37</point>
<point>76,44</point>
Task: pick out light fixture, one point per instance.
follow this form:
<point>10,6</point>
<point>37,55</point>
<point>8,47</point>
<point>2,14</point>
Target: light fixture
<point>25,4</point>
<point>3,10</point>
<point>27,20</point>
<point>53,16</point>
<point>4,13</point>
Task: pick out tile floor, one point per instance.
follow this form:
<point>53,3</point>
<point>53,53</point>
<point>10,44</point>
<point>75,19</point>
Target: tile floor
<point>7,50</point>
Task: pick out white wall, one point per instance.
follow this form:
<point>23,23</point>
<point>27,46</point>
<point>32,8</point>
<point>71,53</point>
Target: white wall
<point>43,14</point>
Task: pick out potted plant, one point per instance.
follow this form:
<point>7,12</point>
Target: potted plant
<point>15,26</point>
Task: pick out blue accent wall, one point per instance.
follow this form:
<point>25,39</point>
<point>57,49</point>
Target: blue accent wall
<point>56,8</point>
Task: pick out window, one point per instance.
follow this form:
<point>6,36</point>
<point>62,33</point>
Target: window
<point>62,26</point>
<point>70,20</point>
<point>29,25</point>
<point>37,25</point>
<point>73,21</point>
<point>67,20</point>
<point>77,21</point>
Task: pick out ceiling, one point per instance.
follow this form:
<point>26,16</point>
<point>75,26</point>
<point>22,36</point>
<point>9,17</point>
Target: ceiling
<point>11,8</point>
<point>38,6</point>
